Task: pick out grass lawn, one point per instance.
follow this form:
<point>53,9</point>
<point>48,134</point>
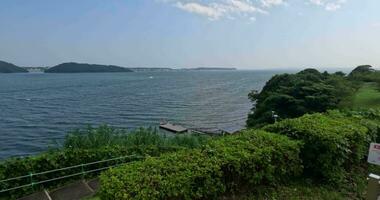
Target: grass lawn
<point>368,96</point>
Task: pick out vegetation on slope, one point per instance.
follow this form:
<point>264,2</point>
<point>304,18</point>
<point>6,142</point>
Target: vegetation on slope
<point>222,166</point>
<point>89,145</point>
<point>365,73</point>
<point>309,91</point>
<point>331,146</point>
<point>293,95</point>
<point>83,67</point>
<point>368,96</point>
<point>10,68</point>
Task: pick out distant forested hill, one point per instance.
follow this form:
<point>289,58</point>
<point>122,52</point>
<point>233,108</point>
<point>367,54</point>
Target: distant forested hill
<point>10,68</point>
<point>211,68</point>
<point>83,67</point>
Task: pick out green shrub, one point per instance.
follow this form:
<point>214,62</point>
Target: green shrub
<point>369,118</point>
<point>247,159</point>
<point>65,158</point>
<point>182,175</point>
<point>89,145</point>
<point>256,157</point>
<point>332,144</point>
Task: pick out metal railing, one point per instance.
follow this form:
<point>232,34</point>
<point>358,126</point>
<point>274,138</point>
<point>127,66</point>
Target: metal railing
<point>82,172</point>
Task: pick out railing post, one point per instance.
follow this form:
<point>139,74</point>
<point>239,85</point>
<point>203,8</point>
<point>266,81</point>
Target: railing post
<point>31,180</point>
<point>83,172</point>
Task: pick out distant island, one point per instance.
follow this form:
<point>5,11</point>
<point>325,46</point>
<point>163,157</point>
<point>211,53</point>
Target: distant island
<point>11,68</point>
<point>73,67</point>
<point>151,69</point>
<point>163,69</point>
<point>211,68</point>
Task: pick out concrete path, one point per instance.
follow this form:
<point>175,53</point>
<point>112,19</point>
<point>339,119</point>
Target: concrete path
<point>73,191</point>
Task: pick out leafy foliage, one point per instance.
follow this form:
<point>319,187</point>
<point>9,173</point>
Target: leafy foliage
<point>361,70</point>
<point>63,158</point>
<point>293,95</point>
<point>364,114</point>
<point>370,118</point>
<point>90,145</point>
<point>333,143</point>
<point>332,147</point>
<point>102,136</point>
<point>225,164</point>
<point>364,73</point>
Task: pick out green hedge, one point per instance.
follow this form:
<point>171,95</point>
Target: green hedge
<point>333,145</point>
<point>369,118</point>
<point>64,158</point>
<point>223,165</point>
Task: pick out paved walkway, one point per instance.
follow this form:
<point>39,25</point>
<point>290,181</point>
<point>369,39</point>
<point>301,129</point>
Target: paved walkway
<point>73,191</point>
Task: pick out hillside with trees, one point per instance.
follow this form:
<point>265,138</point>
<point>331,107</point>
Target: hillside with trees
<point>11,68</point>
<point>73,67</point>
<point>293,95</point>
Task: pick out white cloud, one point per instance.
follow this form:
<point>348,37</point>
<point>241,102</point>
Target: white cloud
<point>241,6</point>
<point>215,10</point>
<point>329,5</point>
<point>211,11</point>
<point>237,9</point>
<point>270,3</point>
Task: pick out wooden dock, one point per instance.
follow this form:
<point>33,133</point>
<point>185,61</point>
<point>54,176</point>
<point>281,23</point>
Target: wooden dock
<point>209,131</point>
<point>215,131</point>
<point>173,128</point>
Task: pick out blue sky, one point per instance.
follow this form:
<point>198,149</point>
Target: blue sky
<point>247,34</point>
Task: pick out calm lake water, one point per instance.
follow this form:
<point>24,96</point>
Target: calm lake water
<point>38,109</point>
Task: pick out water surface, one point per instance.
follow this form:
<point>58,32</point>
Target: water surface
<point>38,109</point>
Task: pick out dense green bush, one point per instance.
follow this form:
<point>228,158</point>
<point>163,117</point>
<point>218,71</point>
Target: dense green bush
<point>359,114</point>
<point>89,145</point>
<point>223,165</point>
<point>256,157</point>
<point>369,118</point>
<point>65,158</point>
<point>332,144</point>
<point>185,174</point>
